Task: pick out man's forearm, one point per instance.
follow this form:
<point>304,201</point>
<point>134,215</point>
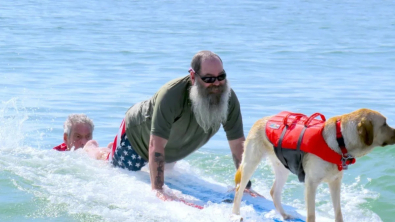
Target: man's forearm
<point>156,164</point>
<point>236,160</point>
<point>236,147</point>
<point>157,161</point>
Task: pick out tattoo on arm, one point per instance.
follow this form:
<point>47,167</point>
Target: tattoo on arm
<point>236,161</point>
<point>160,160</point>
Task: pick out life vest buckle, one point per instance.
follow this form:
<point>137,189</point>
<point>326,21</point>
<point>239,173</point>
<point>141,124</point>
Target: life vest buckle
<point>347,159</point>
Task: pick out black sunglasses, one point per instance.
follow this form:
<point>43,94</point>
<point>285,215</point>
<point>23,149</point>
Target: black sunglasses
<point>211,79</point>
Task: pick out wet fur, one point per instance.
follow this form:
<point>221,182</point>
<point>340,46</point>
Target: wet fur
<point>362,130</point>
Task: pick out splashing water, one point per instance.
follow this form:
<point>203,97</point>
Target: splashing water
<point>72,186</point>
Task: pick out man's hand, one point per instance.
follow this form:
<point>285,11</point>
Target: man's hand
<point>163,196</point>
<point>168,196</point>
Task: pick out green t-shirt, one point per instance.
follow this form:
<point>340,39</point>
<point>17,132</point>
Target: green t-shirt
<point>168,114</point>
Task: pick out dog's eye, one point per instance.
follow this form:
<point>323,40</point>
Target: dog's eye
<point>385,124</point>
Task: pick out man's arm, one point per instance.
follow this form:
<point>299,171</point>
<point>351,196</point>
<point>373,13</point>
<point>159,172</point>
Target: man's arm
<point>236,147</point>
<point>157,161</point>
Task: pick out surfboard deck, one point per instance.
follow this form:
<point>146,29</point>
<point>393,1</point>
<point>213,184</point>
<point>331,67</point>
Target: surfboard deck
<point>200,193</point>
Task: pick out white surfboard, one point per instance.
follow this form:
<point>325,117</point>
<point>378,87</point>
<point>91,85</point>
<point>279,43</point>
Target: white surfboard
<point>200,193</point>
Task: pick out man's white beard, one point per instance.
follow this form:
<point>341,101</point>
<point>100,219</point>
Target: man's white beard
<point>210,109</point>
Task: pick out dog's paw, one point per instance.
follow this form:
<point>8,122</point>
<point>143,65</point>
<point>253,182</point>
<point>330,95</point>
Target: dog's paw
<point>287,217</point>
<point>235,218</point>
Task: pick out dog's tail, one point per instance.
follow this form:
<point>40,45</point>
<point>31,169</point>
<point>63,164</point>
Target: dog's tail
<point>238,178</point>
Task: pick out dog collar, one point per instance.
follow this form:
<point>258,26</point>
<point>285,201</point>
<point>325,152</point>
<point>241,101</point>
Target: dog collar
<point>346,158</point>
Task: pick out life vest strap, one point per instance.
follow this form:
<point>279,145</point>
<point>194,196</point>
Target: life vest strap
<point>346,159</point>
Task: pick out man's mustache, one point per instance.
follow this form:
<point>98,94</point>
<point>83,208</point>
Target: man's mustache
<point>215,89</point>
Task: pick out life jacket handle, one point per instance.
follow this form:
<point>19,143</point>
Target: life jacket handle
<point>297,115</point>
<point>307,122</point>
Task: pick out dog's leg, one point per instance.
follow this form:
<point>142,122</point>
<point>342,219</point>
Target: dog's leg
<point>281,175</point>
<point>311,185</point>
<point>252,156</point>
<point>334,187</point>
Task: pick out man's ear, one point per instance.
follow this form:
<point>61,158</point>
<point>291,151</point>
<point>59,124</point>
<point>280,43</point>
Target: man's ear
<point>193,79</point>
<point>365,131</point>
<point>65,138</point>
<point>192,74</point>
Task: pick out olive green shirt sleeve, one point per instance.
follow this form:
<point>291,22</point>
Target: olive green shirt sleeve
<point>234,124</point>
<point>165,110</point>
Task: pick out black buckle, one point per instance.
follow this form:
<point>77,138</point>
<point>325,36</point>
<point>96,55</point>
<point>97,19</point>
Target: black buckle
<point>345,158</point>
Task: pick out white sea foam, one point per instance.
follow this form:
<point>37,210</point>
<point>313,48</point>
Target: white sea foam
<point>353,196</point>
<point>74,185</point>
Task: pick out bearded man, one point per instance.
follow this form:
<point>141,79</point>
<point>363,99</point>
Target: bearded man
<point>179,119</point>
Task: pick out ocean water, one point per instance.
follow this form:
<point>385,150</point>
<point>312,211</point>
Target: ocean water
<point>101,57</point>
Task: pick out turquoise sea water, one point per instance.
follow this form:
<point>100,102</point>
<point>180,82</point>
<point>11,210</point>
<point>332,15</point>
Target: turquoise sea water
<point>99,58</point>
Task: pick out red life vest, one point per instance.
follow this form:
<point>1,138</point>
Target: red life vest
<point>297,132</point>
<point>61,147</point>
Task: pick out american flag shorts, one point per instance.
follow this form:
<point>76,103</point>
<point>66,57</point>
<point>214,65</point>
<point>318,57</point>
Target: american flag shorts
<point>123,155</point>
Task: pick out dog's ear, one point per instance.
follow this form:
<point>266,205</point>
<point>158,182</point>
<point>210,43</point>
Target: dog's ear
<point>365,131</point>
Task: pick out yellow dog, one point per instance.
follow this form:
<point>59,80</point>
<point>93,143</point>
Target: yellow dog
<point>362,130</point>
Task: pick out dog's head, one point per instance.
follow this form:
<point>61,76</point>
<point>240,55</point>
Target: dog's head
<point>371,130</point>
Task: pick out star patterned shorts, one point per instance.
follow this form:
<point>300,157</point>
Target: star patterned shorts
<point>123,155</point>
